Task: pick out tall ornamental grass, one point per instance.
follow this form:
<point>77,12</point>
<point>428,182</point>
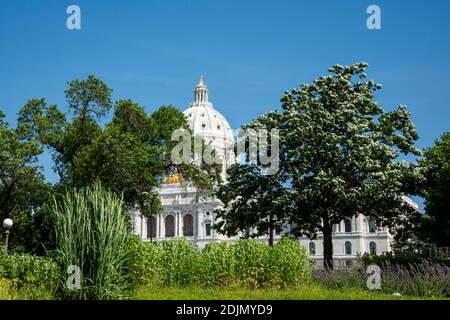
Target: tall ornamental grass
<point>92,232</point>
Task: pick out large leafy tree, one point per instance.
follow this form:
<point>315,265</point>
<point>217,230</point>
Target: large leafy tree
<point>343,151</point>
<point>23,189</point>
<point>88,101</point>
<point>339,154</point>
<point>129,155</point>
<point>435,226</point>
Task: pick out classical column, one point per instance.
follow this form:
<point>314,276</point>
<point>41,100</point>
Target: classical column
<point>175,215</point>
<point>156,235</point>
<point>178,215</point>
<point>142,226</point>
<point>194,222</point>
<point>163,227</point>
<point>199,227</point>
<point>181,224</point>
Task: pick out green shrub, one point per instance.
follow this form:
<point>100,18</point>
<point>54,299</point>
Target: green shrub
<point>6,289</point>
<point>217,265</point>
<point>145,262</point>
<point>180,263</point>
<point>92,232</point>
<point>30,273</point>
<point>290,264</point>
<point>247,263</point>
<point>252,264</point>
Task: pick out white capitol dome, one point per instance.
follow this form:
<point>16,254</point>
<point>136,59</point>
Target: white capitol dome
<point>211,125</point>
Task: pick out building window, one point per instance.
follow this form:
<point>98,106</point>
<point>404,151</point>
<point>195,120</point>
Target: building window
<point>312,248</point>
<point>372,226</point>
<point>348,248</point>
<point>293,228</point>
<point>208,229</point>
<point>348,225</point>
<point>188,225</point>
<point>151,228</point>
<point>373,248</point>
<point>203,125</point>
<point>169,226</point>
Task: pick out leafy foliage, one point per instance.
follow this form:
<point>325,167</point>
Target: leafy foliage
<point>6,290</point>
<point>338,157</point>
<point>130,155</point>
<point>253,201</point>
<point>29,274</point>
<point>248,263</point>
<point>23,189</point>
<point>435,226</point>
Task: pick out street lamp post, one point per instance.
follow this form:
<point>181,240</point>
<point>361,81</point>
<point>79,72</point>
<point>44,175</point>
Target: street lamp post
<point>7,224</point>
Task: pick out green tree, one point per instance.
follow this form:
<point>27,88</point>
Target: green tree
<point>343,152</point>
<point>23,189</point>
<point>130,155</point>
<point>88,100</point>
<point>255,203</point>
<point>435,226</point>
<point>339,154</point>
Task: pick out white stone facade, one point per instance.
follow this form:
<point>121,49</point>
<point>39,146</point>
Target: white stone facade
<point>188,214</point>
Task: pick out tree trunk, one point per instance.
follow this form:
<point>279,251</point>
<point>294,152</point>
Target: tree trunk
<point>327,246</point>
<point>270,230</point>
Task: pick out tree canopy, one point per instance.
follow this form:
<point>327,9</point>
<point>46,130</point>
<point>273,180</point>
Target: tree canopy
<point>130,154</point>
<point>435,226</point>
<point>339,153</point>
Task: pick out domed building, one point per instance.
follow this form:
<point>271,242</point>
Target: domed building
<point>211,125</point>
<point>186,211</point>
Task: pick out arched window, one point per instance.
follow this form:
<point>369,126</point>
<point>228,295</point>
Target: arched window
<point>170,226</point>
<point>188,225</point>
<point>348,225</point>
<point>151,227</point>
<point>372,226</point>
<point>373,248</point>
<point>312,248</point>
<point>348,248</point>
<point>277,231</point>
<point>207,229</point>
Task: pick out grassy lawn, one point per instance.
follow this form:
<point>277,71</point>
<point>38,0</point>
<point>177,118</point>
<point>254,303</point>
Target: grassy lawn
<point>301,293</point>
<point>194,293</point>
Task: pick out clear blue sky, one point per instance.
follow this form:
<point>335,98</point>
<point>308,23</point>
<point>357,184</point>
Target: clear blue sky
<point>249,51</point>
